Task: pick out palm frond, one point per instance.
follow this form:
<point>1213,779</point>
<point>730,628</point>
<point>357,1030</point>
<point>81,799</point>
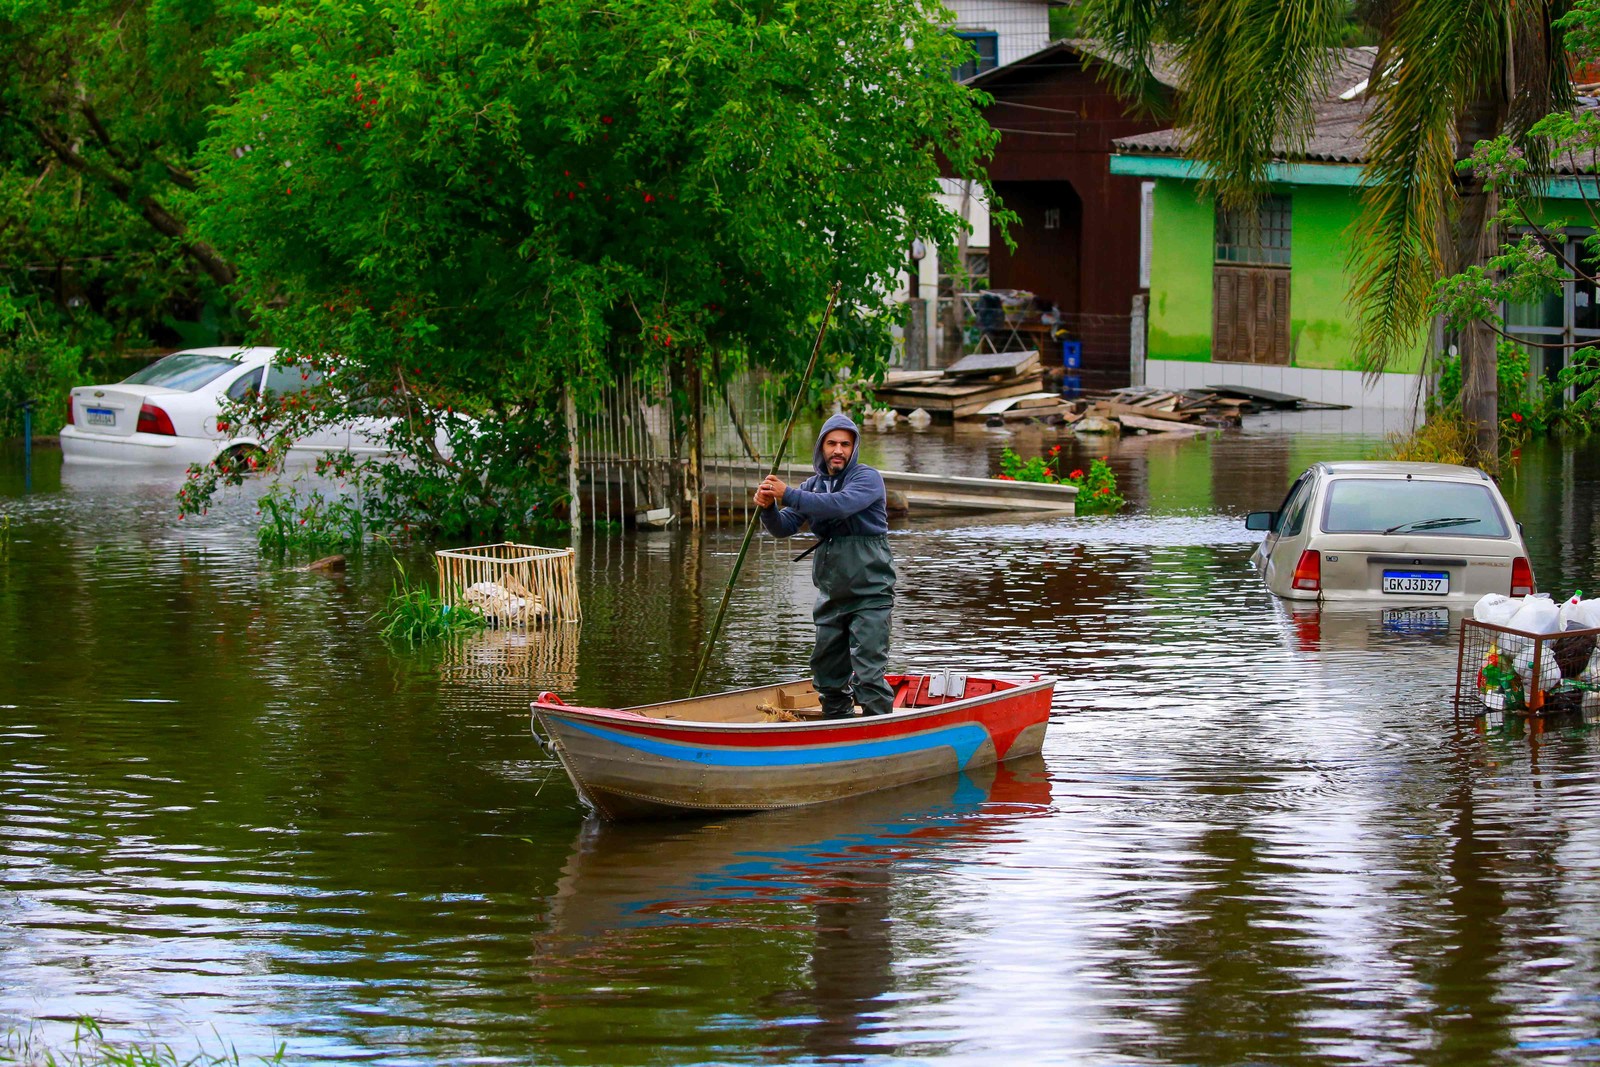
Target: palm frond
<point>1130,31</point>
<point>1253,71</point>
<point>1447,73</point>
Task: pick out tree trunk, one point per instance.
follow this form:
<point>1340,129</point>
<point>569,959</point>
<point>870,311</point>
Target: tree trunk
<point>1477,239</point>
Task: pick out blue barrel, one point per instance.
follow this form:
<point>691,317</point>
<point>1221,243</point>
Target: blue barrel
<point>1072,354</point>
<point>1070,386</point>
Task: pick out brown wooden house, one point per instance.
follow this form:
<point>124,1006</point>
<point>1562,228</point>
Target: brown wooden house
<point>1078,245</point>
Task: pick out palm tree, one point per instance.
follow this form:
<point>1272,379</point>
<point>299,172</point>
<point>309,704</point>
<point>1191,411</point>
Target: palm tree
<point>1448,73</point>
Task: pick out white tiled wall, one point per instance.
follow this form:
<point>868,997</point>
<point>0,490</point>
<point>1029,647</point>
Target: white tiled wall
<point>1328,386</point>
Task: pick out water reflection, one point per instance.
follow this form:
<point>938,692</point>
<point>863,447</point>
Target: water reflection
<point>827,892</point>
<point>1260,834</point>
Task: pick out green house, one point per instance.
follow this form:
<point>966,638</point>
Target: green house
<point>1264,305</point>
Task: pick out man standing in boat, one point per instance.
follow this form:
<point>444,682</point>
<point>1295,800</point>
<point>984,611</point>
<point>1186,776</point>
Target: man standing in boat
<point>852,569</point>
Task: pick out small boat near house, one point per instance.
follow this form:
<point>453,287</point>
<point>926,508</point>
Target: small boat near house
<point>769,747</point>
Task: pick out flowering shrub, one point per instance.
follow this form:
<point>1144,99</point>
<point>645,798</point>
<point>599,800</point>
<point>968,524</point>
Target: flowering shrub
<point>1097,488</point>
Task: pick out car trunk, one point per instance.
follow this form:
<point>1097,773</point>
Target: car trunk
<point>112,410</point>
<point>1420,569</point>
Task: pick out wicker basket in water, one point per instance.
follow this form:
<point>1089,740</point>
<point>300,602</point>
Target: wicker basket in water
<point>510,584</point>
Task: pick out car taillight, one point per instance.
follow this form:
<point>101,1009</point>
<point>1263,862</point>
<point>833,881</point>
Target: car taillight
<point>1521,577</point>
<point>1308,572</point>
<point>71,421</point>
<point>153,420</point>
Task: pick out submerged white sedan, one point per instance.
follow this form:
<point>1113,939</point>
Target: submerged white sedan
<point>169,412</point>
<point>1395,533</point>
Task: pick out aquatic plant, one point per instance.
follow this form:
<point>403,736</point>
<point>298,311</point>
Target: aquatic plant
<point>1097,487</point>
<point>5,536</point>
<point>416,614</point>
<point>292,522</point>
<point>91,1048</point>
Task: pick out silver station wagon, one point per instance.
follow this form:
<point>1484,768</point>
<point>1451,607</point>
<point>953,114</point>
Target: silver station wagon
<point>1393,533</point>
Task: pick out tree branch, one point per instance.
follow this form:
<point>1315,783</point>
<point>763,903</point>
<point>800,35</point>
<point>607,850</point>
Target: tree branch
<point>150,209</point>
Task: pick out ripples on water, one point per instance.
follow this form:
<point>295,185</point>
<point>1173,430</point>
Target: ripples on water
<point>1256,835</point>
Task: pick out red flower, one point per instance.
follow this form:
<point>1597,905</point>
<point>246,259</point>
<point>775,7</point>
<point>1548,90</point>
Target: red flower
<point>1102,491</point>
<point>1004,478</point>
<point>1077,473</point>
<point>1516,416</point>
<point>1056,451</point>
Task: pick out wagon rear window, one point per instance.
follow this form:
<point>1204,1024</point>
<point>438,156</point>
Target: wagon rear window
<point>1359,505</point>
<point>185,371</point>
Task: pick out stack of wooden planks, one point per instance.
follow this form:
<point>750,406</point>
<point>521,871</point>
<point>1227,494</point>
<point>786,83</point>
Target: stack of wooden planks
<point>1143,407</point>
<point>979,386</point>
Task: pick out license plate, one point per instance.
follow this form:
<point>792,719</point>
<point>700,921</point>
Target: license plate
<point>1412,619</point>
<point>100,416</point>
<point>1429,583</point>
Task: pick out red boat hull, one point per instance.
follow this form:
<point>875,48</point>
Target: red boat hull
<point>656,762</point>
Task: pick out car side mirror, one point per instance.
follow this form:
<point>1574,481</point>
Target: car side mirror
<point>1260,520</point>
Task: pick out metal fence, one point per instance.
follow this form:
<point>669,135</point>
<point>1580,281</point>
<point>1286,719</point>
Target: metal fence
<point>634,457</point>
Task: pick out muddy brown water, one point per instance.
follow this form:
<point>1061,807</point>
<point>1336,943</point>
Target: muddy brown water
<point>231,815</point>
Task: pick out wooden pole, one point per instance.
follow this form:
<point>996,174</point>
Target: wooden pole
<point>755,516</point>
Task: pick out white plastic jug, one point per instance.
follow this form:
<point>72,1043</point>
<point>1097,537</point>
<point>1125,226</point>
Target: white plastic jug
<point>1569,608</point>
<point>1586,615</point>
<point>1549,672</point>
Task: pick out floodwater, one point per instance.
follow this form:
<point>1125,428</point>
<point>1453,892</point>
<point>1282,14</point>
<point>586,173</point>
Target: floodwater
<point>233,817</point>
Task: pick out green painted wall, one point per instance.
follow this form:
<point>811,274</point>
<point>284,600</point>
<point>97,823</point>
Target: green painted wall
<point>1322,325</point>
<point>1181,254</point>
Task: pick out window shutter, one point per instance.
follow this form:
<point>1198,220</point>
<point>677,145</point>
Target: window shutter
<point>1261,314</point>
<point>1223,316</point>
<point>1280,318</point>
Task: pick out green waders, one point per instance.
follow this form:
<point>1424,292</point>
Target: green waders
<point>854,577</point>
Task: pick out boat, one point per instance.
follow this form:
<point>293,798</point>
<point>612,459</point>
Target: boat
<point>768,748</point>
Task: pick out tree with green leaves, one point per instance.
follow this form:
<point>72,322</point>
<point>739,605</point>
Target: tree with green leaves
<point>1537,260</point>
<point>458,211</point>
<point>1448,74</point>
<point>102,110</point>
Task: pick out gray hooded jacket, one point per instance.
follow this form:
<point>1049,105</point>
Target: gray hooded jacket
<point>848,504</point>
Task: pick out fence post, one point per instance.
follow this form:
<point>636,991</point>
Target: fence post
<point>27,446</point>
<point>569,411</point>
<point>694,474</point>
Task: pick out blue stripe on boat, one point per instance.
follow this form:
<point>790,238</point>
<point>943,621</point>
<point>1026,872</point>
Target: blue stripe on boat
<point>965,738</point>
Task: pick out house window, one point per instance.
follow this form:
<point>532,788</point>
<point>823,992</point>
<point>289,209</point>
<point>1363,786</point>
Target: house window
<point>986,43</point>
<point>1263,240</point>
<point>1570,317</point>
<point>1250,285</point>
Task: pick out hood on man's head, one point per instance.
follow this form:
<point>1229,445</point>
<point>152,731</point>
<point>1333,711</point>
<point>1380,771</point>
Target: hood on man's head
<point>836,422</point>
